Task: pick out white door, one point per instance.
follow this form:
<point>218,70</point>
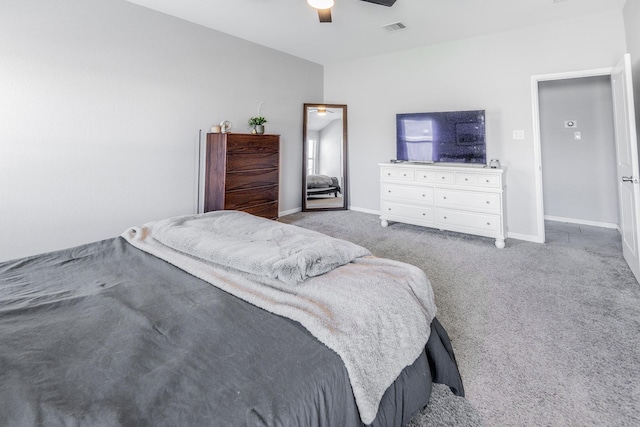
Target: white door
<point>627,154</point>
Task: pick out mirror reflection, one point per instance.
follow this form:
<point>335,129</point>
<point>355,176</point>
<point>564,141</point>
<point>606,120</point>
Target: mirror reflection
<point>324,181</point>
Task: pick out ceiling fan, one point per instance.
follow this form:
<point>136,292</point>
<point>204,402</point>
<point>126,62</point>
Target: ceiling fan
<point>324,7</point>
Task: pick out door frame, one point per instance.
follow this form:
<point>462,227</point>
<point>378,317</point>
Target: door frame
<point>537,143</point>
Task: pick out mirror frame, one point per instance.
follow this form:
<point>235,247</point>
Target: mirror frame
<point>345,176</point>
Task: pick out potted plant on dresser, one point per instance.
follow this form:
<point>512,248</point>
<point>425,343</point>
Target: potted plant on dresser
<point>257,124</point>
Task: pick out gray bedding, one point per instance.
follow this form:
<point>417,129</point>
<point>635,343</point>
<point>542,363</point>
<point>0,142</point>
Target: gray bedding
<point>322,181</point>
<point>373,312</point>
<point>105,334</point>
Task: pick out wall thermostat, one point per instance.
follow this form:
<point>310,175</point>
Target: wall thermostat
<point>570,124</point>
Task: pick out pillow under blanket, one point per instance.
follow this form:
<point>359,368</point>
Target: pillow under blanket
<point>256,245</point>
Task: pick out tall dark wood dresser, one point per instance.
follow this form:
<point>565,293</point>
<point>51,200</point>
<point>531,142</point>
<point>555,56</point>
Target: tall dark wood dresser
<point>242,173</point>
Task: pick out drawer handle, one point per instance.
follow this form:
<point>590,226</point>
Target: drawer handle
<point>488,202</point>
<point>488,223</point>
<point>424,195</point>
<point>443,177</point>
<point>444,197</point>
<point>424,214</point>
<point>388,209</point>
<point>388,173</point>
<point>404,174</point>
<point>445,217</point>
<point>389,191</point>
<point>466,179</point>
<point>487,181</point>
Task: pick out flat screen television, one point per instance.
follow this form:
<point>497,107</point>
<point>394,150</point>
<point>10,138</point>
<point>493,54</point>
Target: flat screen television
<point>441,137</point>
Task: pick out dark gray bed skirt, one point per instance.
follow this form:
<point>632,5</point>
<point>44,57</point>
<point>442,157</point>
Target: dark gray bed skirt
<point>105,334</point>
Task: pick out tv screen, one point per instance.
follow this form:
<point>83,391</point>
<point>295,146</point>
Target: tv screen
<point>448,137</point>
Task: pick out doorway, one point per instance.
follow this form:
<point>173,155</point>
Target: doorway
<point>577,137</point>
<point>574,149</point>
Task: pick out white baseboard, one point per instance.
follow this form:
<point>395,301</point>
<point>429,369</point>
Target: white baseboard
<point>525,237</point>
<point>289,212</point>
<point>364,210</point>
<point>582,222</point>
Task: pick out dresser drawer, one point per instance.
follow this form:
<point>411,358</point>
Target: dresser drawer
<point>243,161</point>
<point>423,175</point>
<point>445,177</point>
<point>240,180</point>
<point>252,144</point>
<point>407,192</point>
<point>466,179</point>
<point>484,224</point>
<point>403,174</point>
<point>243,199</point>
<point>470,200</point>
<point>270,210</point>
<point>478,180</point>
<point>422,214</point>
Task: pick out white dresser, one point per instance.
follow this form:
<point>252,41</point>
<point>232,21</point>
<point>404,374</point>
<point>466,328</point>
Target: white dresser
<point>455,198</point>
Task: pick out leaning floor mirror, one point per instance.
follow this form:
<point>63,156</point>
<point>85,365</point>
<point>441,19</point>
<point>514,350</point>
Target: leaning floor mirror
<point>324,161</point>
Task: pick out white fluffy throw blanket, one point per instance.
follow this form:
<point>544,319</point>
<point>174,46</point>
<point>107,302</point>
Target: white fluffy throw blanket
<point>374,313</point>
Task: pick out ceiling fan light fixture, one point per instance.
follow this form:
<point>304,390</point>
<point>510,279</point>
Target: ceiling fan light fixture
<point>321,4</point>
<point>322,111</point>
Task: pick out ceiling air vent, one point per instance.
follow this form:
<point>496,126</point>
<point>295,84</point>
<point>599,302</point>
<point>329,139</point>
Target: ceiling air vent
<point>396,26</point>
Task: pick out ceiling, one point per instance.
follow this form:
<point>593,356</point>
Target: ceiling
<point>357,31</point>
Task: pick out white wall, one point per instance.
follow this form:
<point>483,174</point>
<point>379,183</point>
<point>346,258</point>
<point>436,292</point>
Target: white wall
<point>491,73</point>
<point>631,14</point>
<point>101,102</point>
<point>579,176</point>
<point>331,150</point>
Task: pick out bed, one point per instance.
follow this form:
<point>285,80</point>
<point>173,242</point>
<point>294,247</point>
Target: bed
<point>318,185</point>
<point>194,321</point>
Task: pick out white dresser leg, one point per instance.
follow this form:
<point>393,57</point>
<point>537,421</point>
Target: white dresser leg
<point>384,222</point>
<point>500,243</point>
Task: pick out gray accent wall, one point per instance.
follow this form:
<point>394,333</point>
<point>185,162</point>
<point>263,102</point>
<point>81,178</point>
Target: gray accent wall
<point>579,175</point>
<point>101,103</point>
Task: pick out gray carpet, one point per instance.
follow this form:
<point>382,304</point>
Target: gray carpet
<point>545,335</point>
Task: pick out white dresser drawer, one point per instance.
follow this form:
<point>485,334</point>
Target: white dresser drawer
<point>489,180</point>
<point>425,175</point>
<point>484,224</point>
<point>404,174</point>
<point>406,192</point>
<point>394,210</point>
<point>470,200</point>
<point>445,178</point>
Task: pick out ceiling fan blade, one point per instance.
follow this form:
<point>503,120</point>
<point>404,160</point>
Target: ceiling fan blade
<point>388,3</point>
<point>324,15</point>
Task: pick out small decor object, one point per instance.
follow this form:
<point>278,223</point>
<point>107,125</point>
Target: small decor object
<point>225,126</point>
<point>494,164</point>
<point>216,129</point>
<point>257,124</point>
